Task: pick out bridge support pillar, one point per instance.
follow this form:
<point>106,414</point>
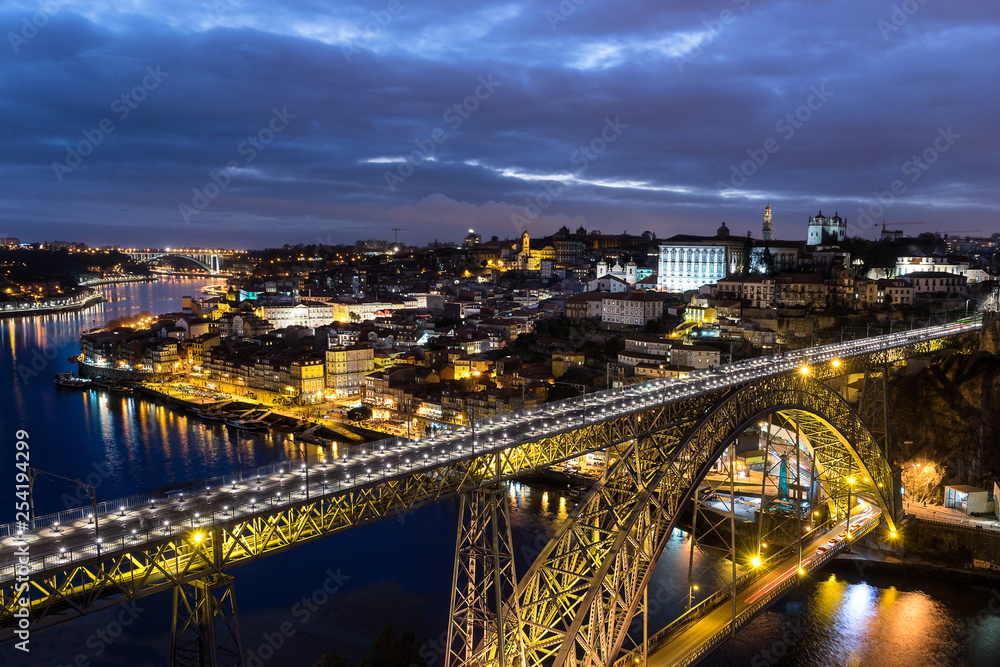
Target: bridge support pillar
<point>483,606</point>
<point>206,629</point>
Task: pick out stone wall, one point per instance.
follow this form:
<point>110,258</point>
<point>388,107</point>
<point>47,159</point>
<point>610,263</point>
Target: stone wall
<point>951,545</point>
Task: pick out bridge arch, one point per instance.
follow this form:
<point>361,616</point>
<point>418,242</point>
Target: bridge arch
<point>579,596</point>
<point>209,262</point>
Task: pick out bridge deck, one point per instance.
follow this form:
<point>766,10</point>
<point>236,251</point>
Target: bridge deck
<point>354,486</point>
<point>692,641</point>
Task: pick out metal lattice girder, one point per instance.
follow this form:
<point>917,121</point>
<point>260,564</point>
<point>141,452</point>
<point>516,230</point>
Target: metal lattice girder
<point>484,579</point>
<point>197,640</point>
<point>62,591</point>
<point>580,595</point>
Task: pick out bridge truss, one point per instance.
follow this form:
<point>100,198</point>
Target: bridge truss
<point>575,603</point>
<point>580,596</point>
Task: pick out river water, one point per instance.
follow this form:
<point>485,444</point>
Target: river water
<point>337,594</point>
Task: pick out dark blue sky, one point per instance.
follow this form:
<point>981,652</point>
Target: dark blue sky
<point>335,121</point>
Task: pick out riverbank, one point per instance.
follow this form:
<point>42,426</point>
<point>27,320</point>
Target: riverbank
<point>907,567</point>
<point>315,430</point>
<point>89,300</point>
<point>117,281</point>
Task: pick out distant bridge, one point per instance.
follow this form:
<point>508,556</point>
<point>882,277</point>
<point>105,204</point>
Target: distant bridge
<point>209,260</point>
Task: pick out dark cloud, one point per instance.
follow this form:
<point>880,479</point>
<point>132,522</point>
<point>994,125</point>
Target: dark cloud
<point>844,93</point>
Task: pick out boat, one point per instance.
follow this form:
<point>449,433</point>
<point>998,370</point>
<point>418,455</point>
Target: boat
<point>212,415</point>
<point>70,381</point>
<point>247,424</point>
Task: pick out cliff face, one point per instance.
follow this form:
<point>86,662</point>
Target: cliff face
<point>951,413</point>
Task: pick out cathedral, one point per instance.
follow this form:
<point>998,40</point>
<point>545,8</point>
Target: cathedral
<point>825,231</point>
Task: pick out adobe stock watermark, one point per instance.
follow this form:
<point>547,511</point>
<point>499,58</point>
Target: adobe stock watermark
<point>454,116</point>
<point>122,107</point>
<point>223,7</point>
<point>31,25</point>
<point>914,169</point>
<point>99,640</point>
<point>21,601</point>
<point>248,149</point>
<point>304,610</point>
<point>779,649</point>
<point>786,126</point>
<point>581,159</point>
<point>899,17</point>
<point>562,12</point>
<point>369,30</point>
<point>715,27</point>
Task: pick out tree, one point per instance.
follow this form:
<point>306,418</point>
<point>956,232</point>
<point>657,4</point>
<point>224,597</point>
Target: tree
<point>747,262</point>
<point>387,650</point>
<point>359,414</point>
<point>333,660</point>
<point>391,651</point>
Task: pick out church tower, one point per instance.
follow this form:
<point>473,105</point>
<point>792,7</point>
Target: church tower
<point>767,223</point>
<point>525,242</point>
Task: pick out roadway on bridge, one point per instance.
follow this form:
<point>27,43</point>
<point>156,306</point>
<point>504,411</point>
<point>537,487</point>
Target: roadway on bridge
<point>691,640</point>
<point>55,547</point>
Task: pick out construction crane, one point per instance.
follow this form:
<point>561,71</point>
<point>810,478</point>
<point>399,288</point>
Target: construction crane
<point>395,234</point>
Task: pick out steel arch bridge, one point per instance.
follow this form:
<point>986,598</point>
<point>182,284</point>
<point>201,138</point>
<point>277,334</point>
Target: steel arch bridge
<point>210,261</point>
<point>575,604</point>
<point>576,600</point>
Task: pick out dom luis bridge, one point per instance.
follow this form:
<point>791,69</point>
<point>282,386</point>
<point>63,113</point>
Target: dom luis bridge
<point>669,457</point>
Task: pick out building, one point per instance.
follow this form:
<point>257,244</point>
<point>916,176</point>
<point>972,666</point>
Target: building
<point>767,230</point>
<point>754,291</point>
<point>800,290</point>
<point>647,344</point>
<point>894,292</point>
<point>696,356</point>
<point>242,325</point>
<point>629,273</point>
<point>967,499</point>
<point>564,361</point>
<point>346,368</point>
<point>936,283</point>
<point>687,262</point>
<point>826,231</point>
<point>582,306</point>
<point>310,314</point>
<point>632,309</point>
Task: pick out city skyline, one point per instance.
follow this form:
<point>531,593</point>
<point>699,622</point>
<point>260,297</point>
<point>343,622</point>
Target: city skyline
<point>242,125</point>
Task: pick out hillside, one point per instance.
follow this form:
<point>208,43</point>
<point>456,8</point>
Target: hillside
<point>949,412</point>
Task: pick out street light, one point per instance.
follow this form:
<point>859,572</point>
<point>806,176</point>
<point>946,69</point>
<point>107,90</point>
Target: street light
<point>691,589</point>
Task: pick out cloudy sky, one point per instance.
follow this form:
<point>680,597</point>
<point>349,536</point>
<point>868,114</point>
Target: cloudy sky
<point>244,123</point>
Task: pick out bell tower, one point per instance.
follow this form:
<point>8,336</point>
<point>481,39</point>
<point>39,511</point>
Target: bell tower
<point>767,223</point>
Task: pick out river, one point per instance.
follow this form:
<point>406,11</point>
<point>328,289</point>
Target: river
<point>396,572</point>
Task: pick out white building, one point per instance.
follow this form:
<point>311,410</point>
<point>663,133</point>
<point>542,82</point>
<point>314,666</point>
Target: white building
<point>310,314</point>
<point>824,231</point>
<point>687,262</point>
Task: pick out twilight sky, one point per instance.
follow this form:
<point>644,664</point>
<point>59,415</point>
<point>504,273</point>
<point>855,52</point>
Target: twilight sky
<point>245,123</point>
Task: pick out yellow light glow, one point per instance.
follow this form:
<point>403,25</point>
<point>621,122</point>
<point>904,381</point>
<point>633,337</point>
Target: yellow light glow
<point>836,363</point>
<point>755,561</point>
<point>804,370</point>
<point>850,480</point>
<point>892,534</point>
<point>198,537</point>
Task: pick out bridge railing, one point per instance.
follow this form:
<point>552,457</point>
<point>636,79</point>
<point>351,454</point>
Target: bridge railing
<point>660,638</point>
